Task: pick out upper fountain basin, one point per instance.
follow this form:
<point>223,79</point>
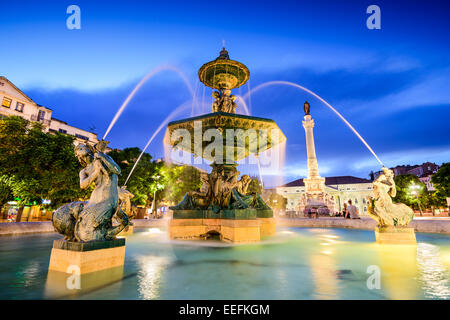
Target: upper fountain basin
<point>223,73</point>
<point>241,135</point>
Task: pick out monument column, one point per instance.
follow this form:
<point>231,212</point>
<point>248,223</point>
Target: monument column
<point>314,184</point>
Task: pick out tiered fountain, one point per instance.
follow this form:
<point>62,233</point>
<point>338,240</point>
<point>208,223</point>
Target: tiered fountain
<point>223,205</point>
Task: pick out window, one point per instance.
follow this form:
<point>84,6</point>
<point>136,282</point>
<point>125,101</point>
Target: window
<point>356,201</point>
<point>62,131</point>
<point>19,106</point>
<point>6,102</point>
<point>41,115</point>
<point>81,136</point>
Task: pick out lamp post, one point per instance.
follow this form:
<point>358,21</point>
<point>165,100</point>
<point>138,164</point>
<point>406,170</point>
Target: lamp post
<point>414,189</point>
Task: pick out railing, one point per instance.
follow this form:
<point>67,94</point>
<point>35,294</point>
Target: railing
<point>43,121</point>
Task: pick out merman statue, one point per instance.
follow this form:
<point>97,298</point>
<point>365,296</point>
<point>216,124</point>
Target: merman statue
<point>92,220</point>
<point>381,208</point>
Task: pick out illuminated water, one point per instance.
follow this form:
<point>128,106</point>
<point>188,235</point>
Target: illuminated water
<point>297,263</point>
<point>164,123</point>
<point>147,77</point>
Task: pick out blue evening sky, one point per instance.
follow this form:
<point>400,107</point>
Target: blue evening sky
<point>392,84</point>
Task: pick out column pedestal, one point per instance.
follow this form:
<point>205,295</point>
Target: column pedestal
<point>236,226</point>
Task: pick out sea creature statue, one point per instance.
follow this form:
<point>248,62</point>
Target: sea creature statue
<point>92,220</point>
<point>125,206</point>
<point>381,208</point>
<point>222,190</point>
<point>197,199</point>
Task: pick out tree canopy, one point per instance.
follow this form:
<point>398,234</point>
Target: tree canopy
<point>410,190</point>
<point>180,179</point>
<point>36,165</point>
<point>146,179</point>
<point>441,179</point>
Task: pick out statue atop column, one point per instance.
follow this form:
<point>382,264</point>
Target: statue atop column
<point>306,108</point>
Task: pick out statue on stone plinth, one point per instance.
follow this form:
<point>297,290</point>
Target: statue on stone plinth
<point>125,200</point>
<point>382,209</point>
<point>197,199</point>
<point>125,206</point>
<point>92,220</point>
<point>223,191</point>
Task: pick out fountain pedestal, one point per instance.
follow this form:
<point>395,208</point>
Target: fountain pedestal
<point>395,235</point>
<point>87,257</point>
<point>79,267</point>
<point>236,225</point>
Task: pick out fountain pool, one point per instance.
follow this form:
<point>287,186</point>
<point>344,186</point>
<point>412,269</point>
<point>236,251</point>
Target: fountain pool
<point>297,263</point>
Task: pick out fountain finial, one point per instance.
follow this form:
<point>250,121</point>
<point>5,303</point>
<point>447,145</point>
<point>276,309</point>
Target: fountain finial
<point>223,73</point>
<point>223,53</point>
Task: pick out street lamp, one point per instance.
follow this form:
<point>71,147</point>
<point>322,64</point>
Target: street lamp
<point>414,189</point>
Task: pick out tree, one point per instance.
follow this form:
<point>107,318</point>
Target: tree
<point>38,165</point>
<point>441,181</point>
<point>146,179</point>
<point>276,201</point>
<point>5,190</point>
<point>410,191</point>
<point>180,179</point>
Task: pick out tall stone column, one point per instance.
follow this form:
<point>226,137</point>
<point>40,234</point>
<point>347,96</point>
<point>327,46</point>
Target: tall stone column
<point>314,184</point>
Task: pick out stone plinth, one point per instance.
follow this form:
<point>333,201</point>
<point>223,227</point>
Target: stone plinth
<point>127,231</point>
<point>61,285</point>
<point>393,235</point>
<point>89,256</point>
<point>237,226</point>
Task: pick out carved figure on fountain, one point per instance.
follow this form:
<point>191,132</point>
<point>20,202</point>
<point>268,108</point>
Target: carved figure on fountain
<point>224,101</point>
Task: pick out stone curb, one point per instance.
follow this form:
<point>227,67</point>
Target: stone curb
<point>427,226</point>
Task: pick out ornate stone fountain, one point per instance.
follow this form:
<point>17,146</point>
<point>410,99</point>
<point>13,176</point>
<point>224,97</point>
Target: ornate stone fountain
<point>223,205</point>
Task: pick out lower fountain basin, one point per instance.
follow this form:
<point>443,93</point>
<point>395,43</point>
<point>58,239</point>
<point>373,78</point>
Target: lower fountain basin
<point>296,263</point>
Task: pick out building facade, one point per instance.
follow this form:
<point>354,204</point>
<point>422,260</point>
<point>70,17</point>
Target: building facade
<point>16,103</point>
<point>423,171</point>
<point>341,189</point>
